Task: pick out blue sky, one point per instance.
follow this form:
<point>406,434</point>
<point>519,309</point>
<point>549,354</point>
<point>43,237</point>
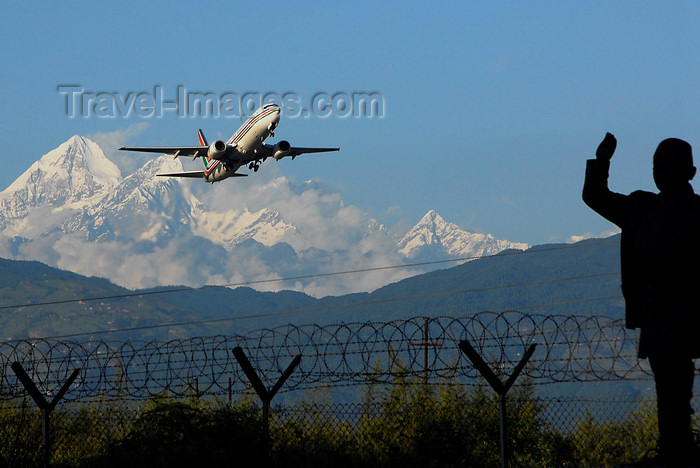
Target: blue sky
<point>491,108</point>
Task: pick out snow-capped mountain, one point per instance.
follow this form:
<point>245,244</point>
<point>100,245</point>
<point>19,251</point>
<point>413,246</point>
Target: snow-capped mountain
<point>231,228</point>
<point>73,174</point>
<point>73,209</point>
<point>433,237</point>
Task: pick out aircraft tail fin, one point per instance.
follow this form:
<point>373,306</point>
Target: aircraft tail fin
<point>202,139</point>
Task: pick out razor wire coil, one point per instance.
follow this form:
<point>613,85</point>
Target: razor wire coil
<point>569,349</point>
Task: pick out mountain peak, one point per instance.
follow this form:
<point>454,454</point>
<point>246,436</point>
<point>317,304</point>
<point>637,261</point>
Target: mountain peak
<point>73,208</point>
<point>75,171</point>
<point>433,236</point>
<point>433,219</point>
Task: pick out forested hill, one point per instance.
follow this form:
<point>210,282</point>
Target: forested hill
<point>566,279</point>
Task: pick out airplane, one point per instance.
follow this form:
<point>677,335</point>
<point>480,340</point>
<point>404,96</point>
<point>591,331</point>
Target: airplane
<point>246,147</point>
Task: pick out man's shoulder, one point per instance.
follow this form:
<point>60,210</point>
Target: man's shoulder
<point>643,195</point>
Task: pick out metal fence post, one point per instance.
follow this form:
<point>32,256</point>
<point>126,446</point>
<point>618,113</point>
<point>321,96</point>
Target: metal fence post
<point>264,394</point>
<point>426,343</point>
<point>499,387</point>
<point>45,406</point>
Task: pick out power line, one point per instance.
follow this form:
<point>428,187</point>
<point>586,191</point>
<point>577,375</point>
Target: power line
<point>357,304</point>
<point>302,277</point>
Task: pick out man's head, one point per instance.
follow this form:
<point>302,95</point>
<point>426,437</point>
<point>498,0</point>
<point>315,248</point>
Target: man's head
<point>673,165</point>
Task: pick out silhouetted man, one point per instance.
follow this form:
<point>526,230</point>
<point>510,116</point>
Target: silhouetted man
<point>660,262</point>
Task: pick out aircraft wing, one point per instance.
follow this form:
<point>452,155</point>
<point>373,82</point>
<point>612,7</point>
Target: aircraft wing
<point>193,151</point>
<point>295,151</point>
<point>193,174</point>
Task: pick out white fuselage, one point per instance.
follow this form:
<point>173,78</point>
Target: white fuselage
<point>245,143</point>
<point>247,146</point>
<point>251,135</point>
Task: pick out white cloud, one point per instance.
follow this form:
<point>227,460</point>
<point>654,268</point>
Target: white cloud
<point>321,235</point>
<point>588,235</point>
<point>329,237</point>
<point>136,266</point>
<point>110,142</point>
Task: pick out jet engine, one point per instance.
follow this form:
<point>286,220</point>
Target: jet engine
<point>281,149</point>
<point>217,150</point>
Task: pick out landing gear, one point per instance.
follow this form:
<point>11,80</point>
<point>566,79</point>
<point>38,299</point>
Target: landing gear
<point>255,165</point>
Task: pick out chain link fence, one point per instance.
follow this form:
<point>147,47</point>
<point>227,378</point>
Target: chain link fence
<point>374,394</point>
<point>426,430</point>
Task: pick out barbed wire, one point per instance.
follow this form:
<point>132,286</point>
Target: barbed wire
<point>569,349</point>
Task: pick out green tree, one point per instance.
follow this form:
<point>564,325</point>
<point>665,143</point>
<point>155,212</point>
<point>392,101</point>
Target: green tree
<point>180,434</point>
<point>614,443</point>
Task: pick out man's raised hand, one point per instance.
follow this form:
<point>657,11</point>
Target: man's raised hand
<point>606,148</point>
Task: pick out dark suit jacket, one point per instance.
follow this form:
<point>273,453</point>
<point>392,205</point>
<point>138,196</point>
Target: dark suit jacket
<point>660,261</point>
